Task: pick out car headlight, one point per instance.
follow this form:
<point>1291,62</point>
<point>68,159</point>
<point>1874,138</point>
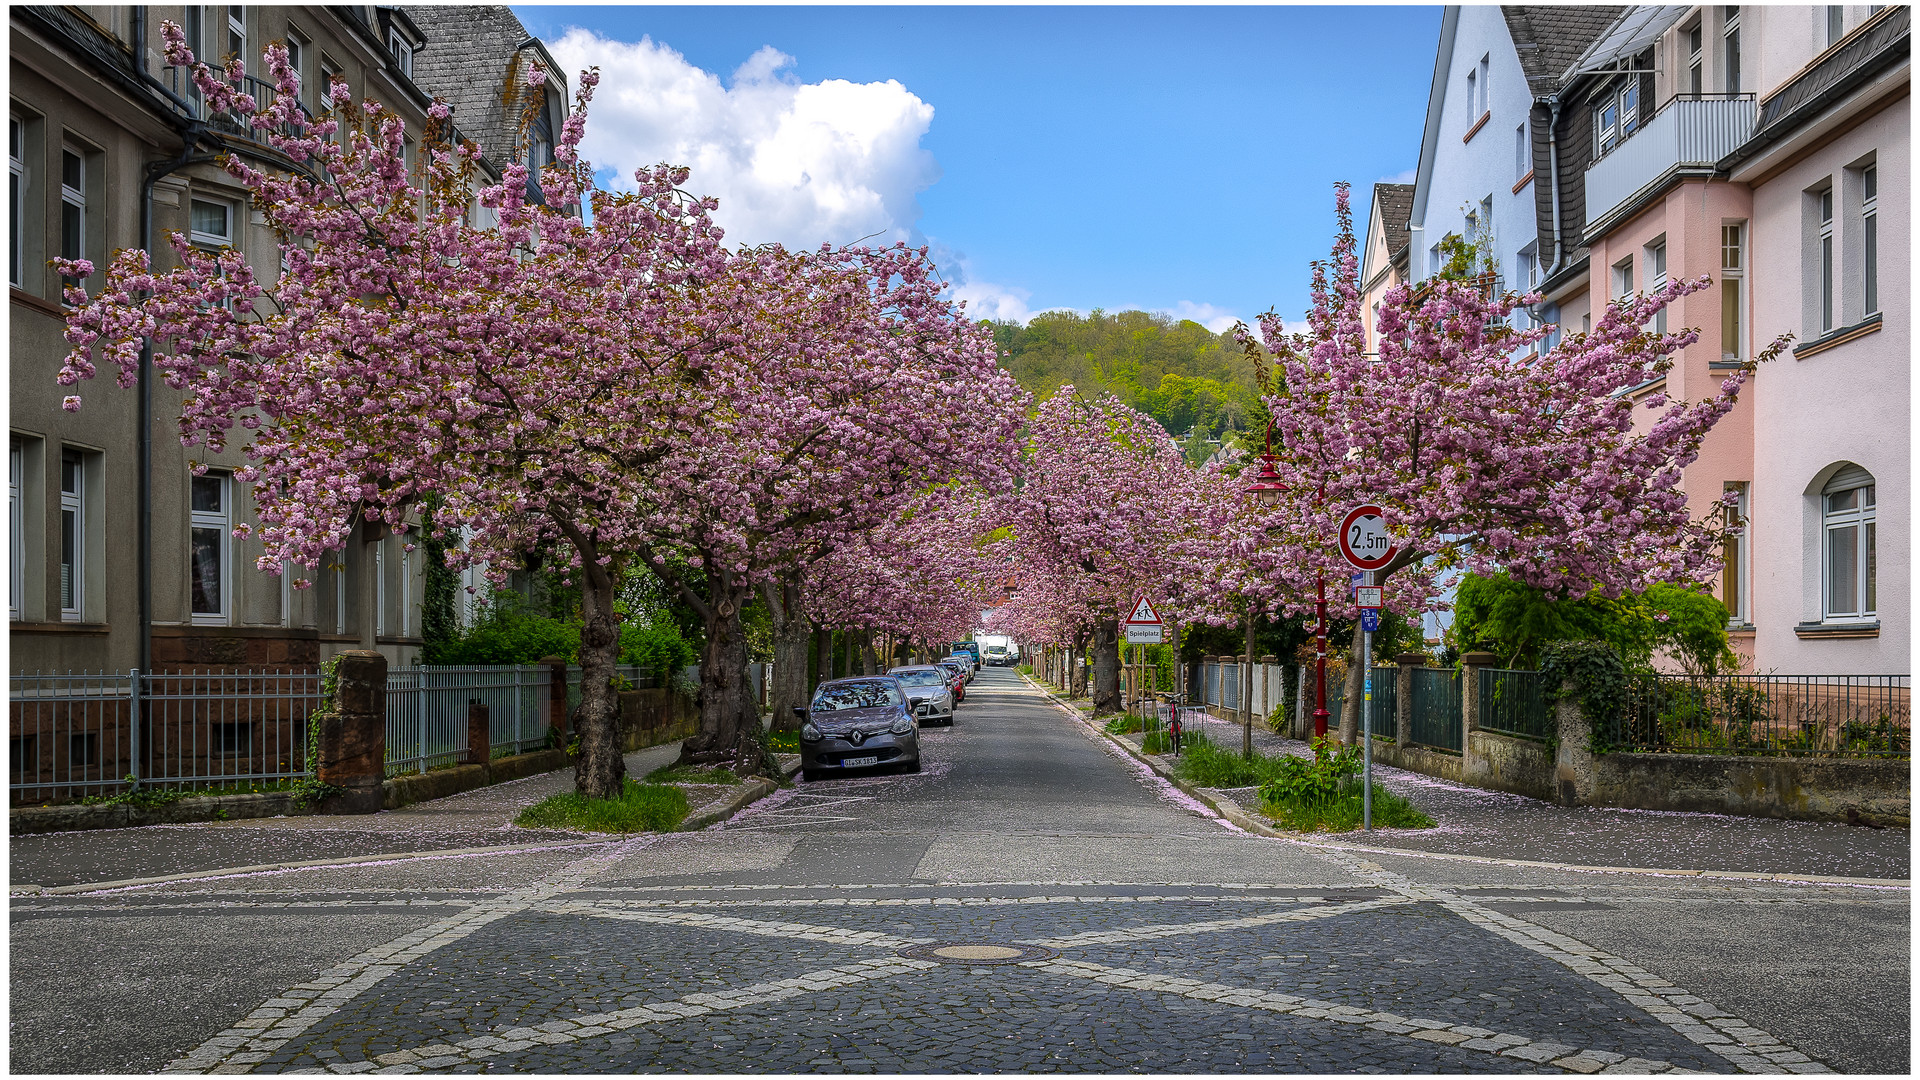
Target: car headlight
<point>902,725</point>
<point>809,732</point>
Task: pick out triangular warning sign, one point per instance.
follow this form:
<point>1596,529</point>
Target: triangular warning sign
<point>1143,613</point>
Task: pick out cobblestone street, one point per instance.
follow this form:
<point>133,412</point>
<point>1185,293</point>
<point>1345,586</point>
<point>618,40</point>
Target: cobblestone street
<point>1031,902</point>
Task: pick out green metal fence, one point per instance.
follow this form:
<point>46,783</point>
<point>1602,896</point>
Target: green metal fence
<point>1436,709</point>
<point>1793,715</point>
<point>1515,703</point>
<point>1386,701</point>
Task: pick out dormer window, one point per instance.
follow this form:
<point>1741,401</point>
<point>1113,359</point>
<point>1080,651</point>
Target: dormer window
<point>402,52</point>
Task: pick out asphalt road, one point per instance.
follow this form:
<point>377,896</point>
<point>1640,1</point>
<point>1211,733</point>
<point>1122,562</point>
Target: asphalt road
<point>1033,901</point>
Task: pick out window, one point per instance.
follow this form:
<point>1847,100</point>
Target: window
<point>73,536</point>
<point>339,572</point>
<point>16,530</point>
<point>73,207</point>
<point>1695,84</point>
<point>297,60</point>
<point>16,200</point>
<point>1486,85</point>
<point>1522,154</point>
<point>193,28</point>
<point>1730,48</point>
<point>1836,24</point>
<point>1623,279</point>
<point>1616,115</point>
<point>211,223</point>
<point>1657,279</point>
<point>1870,235</point>
<point>402,52</point>
<point>406,577</point>
<point>237,31</point>
<point>1847,551</point>
<point>233,739</point>
<point>1733,571</point>
<point>380,587</point>
<point>1733,272</point>
<point>1826,259</point>
<point>328,73</point>
<point>211,529</point>
<point>83,750</point>
<point>1473,98</point>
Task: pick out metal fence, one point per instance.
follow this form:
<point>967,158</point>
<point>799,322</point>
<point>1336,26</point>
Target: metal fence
<point>427,712</point>
<point>1386,701</point>
<point>75,735</point>
<point>1515,702</point>
<point>1795,715</point>
<point>1436,709</point>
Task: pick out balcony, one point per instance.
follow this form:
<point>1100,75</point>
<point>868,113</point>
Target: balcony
<point>1688,136</point>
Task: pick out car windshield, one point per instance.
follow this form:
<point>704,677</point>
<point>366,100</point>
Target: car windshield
<point>860,695</point>
<point>919,677</point>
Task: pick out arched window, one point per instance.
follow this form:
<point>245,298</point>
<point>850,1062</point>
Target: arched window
<point>1847,554</point>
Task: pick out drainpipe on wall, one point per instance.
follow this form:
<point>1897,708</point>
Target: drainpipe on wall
<point>1553,177</point>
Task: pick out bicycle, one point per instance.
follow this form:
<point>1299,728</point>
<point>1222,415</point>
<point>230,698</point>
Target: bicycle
<point>1174,701</point>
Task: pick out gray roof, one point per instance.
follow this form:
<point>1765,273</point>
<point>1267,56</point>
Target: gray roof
<point>476,60</point>
<point>1549,37</point>
<point>1396,206</point>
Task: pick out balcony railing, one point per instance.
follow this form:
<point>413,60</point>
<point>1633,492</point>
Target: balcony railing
<point>180,81</point>
<point>1688,133</point>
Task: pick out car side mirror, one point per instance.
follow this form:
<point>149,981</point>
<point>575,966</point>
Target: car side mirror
<point>800,711</point>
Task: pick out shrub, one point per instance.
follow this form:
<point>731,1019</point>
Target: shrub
<point>639,808</point>
<point>1323,792</point>
<point>659,647</point>
<point>506,631</point>
<point>1124,724</point>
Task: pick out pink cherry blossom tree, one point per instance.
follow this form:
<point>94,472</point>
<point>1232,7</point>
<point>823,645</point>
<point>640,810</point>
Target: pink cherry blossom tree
<point>1095,523</point>
<point>1486,449</point>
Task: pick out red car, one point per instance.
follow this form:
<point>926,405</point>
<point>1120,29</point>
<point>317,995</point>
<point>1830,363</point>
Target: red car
<point>957,679</point>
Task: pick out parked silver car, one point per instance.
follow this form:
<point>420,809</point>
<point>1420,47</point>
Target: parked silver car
<point>858,724</point>
<point>929,696</point>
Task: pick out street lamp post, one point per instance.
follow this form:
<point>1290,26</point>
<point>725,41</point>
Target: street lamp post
<point>1267,490</point>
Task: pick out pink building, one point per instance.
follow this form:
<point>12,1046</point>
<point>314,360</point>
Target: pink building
<point>1776,162</point>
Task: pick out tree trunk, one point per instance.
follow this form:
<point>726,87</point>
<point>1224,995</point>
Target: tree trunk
<point>790,639</point>
<point>730,734</point>
<point>1106,666</point>
<point>601,766</point>
<point>1077,671</point>
<point>869,664</point>
<point>1350,704</point>
<point>825,670</point>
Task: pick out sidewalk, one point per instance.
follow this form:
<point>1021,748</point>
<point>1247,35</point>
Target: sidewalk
<point>477,819</point>
<point>1495,824</point>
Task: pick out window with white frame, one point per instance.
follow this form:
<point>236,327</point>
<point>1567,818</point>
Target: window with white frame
<point>1623,278</point>
<point>73,536</point>
<point>237,31</point>
<point>1486,85</point>
<point>324,102</point>
<point>406,580</point>
<point>1695,83</point>
<point>193,27</point>
<point>1522,153</point>
<point>73,206</point>
<point>1733,283</point>
<point>1473,98</point>
<point>1733,569</point>
<point>211,223</point>
<point>211,532</point>
<point>1616,115</point>
<point>1730,49</point>
<point>402,52</point>
<point>1870,236</point>
<point>1657,278</point>
<point>1847,554</point>
<point>16,530</point>
<point>338,569</point>
<point>1836,17</point>
<point>297,50</point>
<point>1825,202</point>
<point>16,200</point>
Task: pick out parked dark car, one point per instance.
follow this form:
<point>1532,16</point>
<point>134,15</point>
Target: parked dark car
<point>958,671</point>
<point>929,692</point>
<point>858,724</point>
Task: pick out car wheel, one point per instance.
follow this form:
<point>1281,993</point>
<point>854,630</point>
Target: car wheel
<point>809,776</point>
<point>913,768</point>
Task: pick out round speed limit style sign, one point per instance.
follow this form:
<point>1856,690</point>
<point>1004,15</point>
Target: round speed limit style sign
<point>1364,540</point>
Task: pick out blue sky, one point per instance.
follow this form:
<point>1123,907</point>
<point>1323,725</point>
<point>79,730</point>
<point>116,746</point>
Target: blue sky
<point>1177,159</point>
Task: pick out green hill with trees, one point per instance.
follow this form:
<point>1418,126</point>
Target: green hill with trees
<point>1198,384</point>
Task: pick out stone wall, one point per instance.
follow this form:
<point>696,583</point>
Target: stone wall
<point>652,717</point>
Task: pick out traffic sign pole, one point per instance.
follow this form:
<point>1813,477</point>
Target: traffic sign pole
<point>1366,721</point>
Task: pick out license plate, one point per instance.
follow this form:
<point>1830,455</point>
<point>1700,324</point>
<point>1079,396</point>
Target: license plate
<point>855,761</point>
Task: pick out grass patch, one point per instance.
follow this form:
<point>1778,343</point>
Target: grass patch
<point>1161,742</point>
<point>680,774</point>
<point>784,742</point>
<point>639,808</point>
<point>1124,725</point>
<point>1341,812</point>
<point>1208,765</point>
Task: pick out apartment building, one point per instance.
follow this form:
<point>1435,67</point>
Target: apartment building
<point>122,557</point>
<point>1765,148</point>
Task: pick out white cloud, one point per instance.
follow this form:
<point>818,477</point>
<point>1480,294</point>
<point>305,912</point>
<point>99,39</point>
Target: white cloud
<point>799,163</point>
<point>1214,318</point>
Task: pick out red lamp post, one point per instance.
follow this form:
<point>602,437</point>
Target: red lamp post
<point>1267,490</point>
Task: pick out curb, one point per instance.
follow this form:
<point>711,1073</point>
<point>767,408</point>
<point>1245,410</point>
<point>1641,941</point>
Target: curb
<point>1233,813</point>
<point>758,789</point>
